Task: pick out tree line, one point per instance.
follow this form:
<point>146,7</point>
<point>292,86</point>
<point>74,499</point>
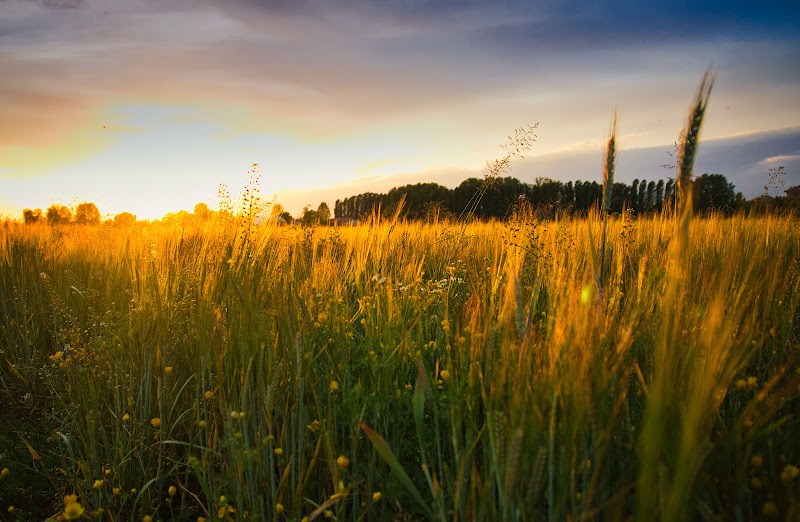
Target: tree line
<point>496,197</point>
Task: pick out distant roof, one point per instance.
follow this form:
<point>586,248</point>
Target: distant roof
<point>793,190</point>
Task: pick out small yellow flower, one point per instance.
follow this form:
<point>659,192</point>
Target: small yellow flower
<point>72,511</point>
<point>116,491</point>
<point>107,472</point>
<point>314,426</point>
<point>328,513</point>
<point>168,370</point>
<point>445,375</point>
<point>790,472</point>
<point>446,325</point>
<point>6,472</point>
<point>10,509</point>
<point>755,482</point>
<point>69,499</point>
<point>279,509</point>
<point>333,386</point>
<point>752,382</point>
<point>209,395</point>
<point>126,417</point>
<point>278,451</point>
<point>147,518</point>
<point>342,462</point>
<point>377,496</point>
<point>221,512</point>
<point>756,461</point>
<point>770,509</point>
<point>97,484</point>
<point>202,424</point>
<point>156,422</point>
<point>222,499</point>
<point>172,490</point>
<point>740,384</point>
<point>201,519</point>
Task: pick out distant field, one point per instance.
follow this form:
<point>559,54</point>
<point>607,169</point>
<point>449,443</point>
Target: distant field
<point>402,371</point>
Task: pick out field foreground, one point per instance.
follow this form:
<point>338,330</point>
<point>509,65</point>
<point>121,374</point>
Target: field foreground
<point>401,371</point>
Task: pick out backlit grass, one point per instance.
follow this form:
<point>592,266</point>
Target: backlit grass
<point>396,370</point>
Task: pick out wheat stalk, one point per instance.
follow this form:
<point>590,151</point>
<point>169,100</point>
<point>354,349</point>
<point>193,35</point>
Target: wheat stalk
<point>609,162</point>
<point>688,152</point>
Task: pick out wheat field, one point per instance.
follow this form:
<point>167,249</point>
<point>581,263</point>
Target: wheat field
<point>445,371</point>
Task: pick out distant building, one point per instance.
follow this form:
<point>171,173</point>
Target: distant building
<point>793,193</point>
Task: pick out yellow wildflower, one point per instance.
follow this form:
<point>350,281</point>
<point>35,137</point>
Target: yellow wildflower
<point>314,426</point>
<point>155,422</point>
<point>10,509</point>
<point>221,512</point>
<point>790,472</point>
<point>278,451</point>
<point>740,384</point>
<point>445,375</point>
<point>201,519</point>
<point>168,370</point>
<point>328,513</point>
<point>377,496</point>
<point>752,382</point>
<point>342,462</point>
<point>172,490</point>
<point>770,509</point>
<point>209,395</point>
<point>116,491</point>
<point>756,461</point>
<point>6,472</point>
<point>126,417</point>
<point>97,484</point>
<point>755,482</point>
<point>279,509</point>
<point>147,518</point>
<point>333,386</point>
<point>72,511</point>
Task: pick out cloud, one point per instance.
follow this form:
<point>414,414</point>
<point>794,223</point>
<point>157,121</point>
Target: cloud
<point>784,158</point>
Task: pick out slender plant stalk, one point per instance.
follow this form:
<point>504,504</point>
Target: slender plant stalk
<point>608,184</point>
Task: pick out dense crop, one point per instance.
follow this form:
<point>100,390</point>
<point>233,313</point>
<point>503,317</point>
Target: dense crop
<point>396,370</point>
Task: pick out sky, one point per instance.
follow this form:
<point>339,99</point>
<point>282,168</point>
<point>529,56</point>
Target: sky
<point>147,106</point>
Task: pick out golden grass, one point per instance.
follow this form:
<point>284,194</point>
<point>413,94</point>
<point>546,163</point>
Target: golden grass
<point>239,369</point>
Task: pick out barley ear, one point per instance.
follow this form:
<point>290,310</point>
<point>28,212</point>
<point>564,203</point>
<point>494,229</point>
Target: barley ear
<point>609,162</point>
<point>688,152</point>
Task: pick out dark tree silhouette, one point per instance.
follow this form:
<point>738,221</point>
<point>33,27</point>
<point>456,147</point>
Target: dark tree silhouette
<point>58,215</point>
<point>31,216</point>
<point>87,214</point>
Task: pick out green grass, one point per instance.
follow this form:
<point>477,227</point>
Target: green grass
<point>290,348</point>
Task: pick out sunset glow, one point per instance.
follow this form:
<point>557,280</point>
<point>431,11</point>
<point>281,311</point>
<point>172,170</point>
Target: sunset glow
<point>147,107</point>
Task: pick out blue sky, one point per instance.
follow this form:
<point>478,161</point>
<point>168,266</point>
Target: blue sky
<point>147,106</point>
